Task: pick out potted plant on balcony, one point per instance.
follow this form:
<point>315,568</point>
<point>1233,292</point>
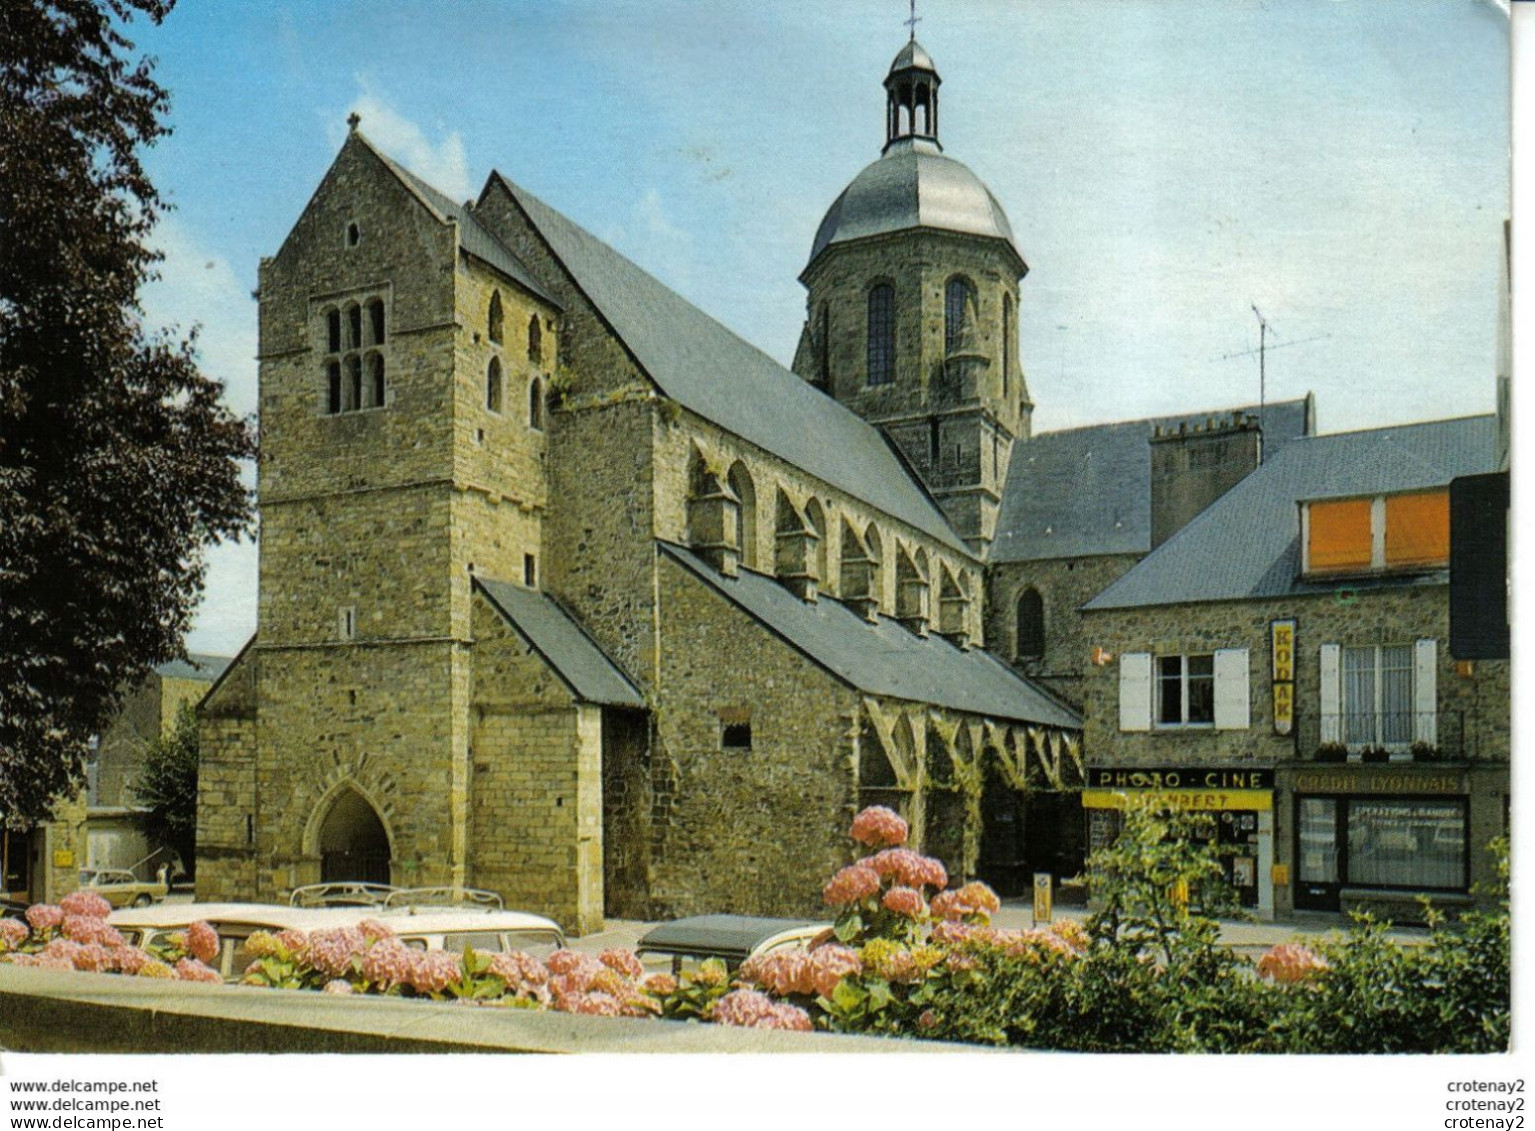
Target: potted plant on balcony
<point>1332,752</point>
<point>1375,754</point>
<point>1425,752</point>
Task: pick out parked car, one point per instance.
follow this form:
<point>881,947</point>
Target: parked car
<point>733,938</point>
<point>426,928</point>
<point>13,909</point>
<point>121,888</point>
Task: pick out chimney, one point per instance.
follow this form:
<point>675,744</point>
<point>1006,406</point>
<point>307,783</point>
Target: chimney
<point>1193,466</point>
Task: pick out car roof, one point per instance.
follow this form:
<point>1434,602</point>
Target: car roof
<point>404,921</point>
<point>723,936</point>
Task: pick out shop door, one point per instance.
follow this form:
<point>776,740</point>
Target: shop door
<point>1236,840</point>
<point>1316,854</point>
<point>15,864</point>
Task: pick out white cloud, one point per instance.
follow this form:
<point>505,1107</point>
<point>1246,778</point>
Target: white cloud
<point>442,165</point>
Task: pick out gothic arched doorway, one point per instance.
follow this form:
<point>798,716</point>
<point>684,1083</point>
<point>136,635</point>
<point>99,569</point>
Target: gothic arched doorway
<point>1001,861</point>
<point>353,843</point>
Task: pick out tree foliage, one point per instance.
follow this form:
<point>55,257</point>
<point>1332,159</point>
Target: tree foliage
<point>118,463</point>
<point>167,785</point>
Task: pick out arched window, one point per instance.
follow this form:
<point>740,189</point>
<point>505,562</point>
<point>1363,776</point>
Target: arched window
<point>959,291</point>
<point>536,405</point>
<point>816,517</point>
<point>495,324</point>
<point>375,380</point>
<point>354,383</point>
<point>354,327</point>
<point>376,321</point>
<point>535,341</point>
<point>1007,341</point>
<point>741,486</point>
<point>881,334</point>
<point>333,330</point>
<point>333,384</point>
<point>493,385</point>
<point>876,548</point>
<point>1031,625</point>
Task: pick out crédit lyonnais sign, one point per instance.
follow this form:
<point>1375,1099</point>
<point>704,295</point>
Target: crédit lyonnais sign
<point>1377,781</point>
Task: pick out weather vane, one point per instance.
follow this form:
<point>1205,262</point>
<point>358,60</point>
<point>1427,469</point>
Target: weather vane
<point>913,21</point>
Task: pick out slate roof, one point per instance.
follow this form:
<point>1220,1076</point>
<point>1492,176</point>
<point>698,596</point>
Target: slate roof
<point>708,369</point>
<point>1087,491</point>
<point>473,237</point>
<point>884,658</point>
<point>1247,543</point>
<point>197,665</point>
<point>573,655</point>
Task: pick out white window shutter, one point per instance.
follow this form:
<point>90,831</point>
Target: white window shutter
<point>1425,692</point>
<point>1332,714</point>
<point>1135,691</point>
<point>1232,711</point>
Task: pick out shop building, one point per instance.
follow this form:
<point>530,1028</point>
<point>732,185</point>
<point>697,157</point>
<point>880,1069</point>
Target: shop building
<point>1283,662</point>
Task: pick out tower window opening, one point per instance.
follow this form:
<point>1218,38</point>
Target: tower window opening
<point>333,387</point>
<point>529,571</point>
<point>1031,625</point>
<point>376,320</point>
<point>881,359</point>
<point>495,324</point>
<point>353,234</point>
<point>957,293</point>
<point>535,341</point>
<point>353,326</point>
<point>1007,341</point>
<point>493,385</point>
<point>536,405</point>
<point>354,383</point>
<point>375,380</point>
<point>333,330</point>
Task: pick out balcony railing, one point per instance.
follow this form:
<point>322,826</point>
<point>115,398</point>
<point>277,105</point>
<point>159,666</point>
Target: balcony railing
<point>1384,734</point>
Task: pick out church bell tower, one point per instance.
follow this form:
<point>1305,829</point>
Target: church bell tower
<point>912,311</point>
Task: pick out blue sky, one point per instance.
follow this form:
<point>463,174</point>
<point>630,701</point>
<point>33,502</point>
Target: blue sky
<point>1164,163</point>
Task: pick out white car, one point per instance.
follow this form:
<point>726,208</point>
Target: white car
<point>426,928</point>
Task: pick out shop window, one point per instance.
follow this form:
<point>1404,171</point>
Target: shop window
<point>1388,532</point>
<point>1383,842</point>
<point>881,334</point>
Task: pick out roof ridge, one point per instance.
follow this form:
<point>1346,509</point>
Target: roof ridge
<point>1134,420</point>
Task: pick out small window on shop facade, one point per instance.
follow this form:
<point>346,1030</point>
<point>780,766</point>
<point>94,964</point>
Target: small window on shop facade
<point>1186,690</point>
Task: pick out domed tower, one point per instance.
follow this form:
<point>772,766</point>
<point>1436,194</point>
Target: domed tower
<point>912,314</point>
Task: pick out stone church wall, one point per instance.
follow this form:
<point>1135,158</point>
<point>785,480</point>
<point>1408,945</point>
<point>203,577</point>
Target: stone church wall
<point>753,830</point>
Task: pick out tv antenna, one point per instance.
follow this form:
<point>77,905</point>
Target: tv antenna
<point>1263,350</point>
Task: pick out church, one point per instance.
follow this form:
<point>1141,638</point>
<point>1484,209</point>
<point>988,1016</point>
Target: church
<point>569,592</point>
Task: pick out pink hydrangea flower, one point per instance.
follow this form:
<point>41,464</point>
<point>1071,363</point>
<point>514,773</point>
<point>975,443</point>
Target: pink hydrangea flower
<point>95,958</point>
<point>833,963</point>
<point>879,827</point>
<point>203,942</point>
<point>1072,933</point>
<point>373,930</point>
<point>784,973</point>
<point>626,962</point>
<point>927,1021</point>
<point>752,1009</point>
<point>850,885</point>
<point>130,959</point>
<point>661,984</point>
<point>593,1005</point>
<point>908,868</point>
<point>387,963</point>
<point>952,931</point>
<point>338,986</point>
<point>331,950</point>
<point>109,936</point>
<point>86,903</point>
<point>45,916</point>
<point>903,901</point>
<point>191,970</point>
<point>13,932</point>
<point>1290,963</point>
<point>435,970</point>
